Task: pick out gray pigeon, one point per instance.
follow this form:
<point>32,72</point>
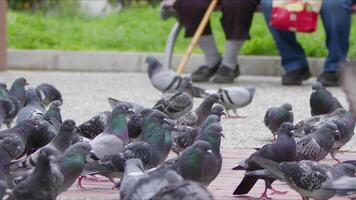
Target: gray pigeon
<point>71,163</point>
<point>281,150</point>
<point>234,98</point>
<point>195,117</point>
<point>309,178</point>
<point>156,131</point>
<point>166,80</point>
<point>318,144</point>
<point>349,84</point>
<point>53,114</point>
<point>276,116</point>
<point>18,91</point>
<point>43,183</point>
<point>95,125</point>
<point>184,190</point>
<point>48,94</point>
<point>25,132</point>
<point>33,109</point>
<point>115,136</point>
<point>196,163</point>
<point>176,104</point>
<point>59,144</point>
<point>322,101</point>
<point>134,171</point>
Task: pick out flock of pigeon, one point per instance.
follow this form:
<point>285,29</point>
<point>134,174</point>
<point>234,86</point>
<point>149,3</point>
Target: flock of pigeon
<point>41,155</point>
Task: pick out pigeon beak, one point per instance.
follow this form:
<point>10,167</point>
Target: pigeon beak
<point>51,158</point>
<point>91,157</point>
<point>131,111</point>
<point>222,135</point>
<point>338,133</point>
<point>223,113</point>
<point>209,151</point>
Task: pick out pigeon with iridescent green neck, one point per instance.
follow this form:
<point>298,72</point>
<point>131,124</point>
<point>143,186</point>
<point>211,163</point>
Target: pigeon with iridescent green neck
<point>115,136</point>
<point>322,101</point>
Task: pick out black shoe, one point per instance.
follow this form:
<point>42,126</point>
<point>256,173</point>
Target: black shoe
<point>296,77</point>
<point>226,74</point>
<point>203,73</point>
<point>329,79</point>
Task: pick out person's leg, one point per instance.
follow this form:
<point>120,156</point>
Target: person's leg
<point>292,54</point>
<point>236,22</point>
<point>190,14</point>
<point>336,17</point>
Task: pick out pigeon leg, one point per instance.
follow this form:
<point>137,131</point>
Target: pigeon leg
<point>264,195</point>
<point>79,183</point>
<point>332,153</point>
<point>274,191</point>
<point>235,116</point>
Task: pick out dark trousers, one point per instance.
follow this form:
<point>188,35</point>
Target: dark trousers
<point>236,19</point>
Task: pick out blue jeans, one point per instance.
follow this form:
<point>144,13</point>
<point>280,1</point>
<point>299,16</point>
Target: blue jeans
<point>336,17</point>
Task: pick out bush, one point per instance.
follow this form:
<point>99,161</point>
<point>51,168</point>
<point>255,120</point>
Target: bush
<point>33,5</point>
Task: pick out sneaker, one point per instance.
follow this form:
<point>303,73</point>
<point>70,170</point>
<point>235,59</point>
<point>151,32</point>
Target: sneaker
<point>226,74</point>
<point>329,79</point>
<point>203,73</point>
<point>296,77</point>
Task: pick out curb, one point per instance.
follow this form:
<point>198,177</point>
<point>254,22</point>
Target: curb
<point>132,62</point>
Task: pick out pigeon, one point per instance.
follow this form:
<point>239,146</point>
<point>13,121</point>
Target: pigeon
<point>322,101</point>
<point>156,131</point>
<point>9,106</point>
<point>71,163</point>
<point>33,108</point>
<point>59,144</point>
<point>18,91</point>
<point>166,80</point>
<point>25,131</point>
<point>184,190</point>
<point>48,94</point>
<point>136,108</point>
<point>43,183</point>
<point>276,116</point>
<point>95,125</point>
<point>135,122</point>
<point>281,150</point>
<point>115,136</point>
<point>147,187</point>
<point>309,125</point>
<point>196,163</point>
<point>308,178</point>
<point>236,97</point>
<point>317,145</point>
<point>53,114</point>
<point>8,147</point>
<point>349,83</point>
<point>176,104</point>
<point>134,171</point>
<point>345,184</point>
<point>195,117</point>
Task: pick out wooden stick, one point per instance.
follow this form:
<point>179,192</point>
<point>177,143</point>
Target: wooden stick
<point>196,36</point>
<point>3,47</point>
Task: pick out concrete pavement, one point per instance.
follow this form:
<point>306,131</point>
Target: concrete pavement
<point>85,95</point>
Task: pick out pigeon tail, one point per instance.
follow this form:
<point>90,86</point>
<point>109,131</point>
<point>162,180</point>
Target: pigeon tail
<point>246,185</point>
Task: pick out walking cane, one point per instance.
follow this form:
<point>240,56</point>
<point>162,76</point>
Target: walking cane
<point>196,36</point>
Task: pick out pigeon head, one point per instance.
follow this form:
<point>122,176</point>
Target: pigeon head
<point>56,103</point>
<point>343,169</point>
<point>202,146</point>
<point>49,93</point>
<point>158,117</point>
<point>68,125</point>
<point>31,95</point>
<point>186,84</point>
<point>213,98</point>
<point>317,86</point>
<point>47,154</point>
<point>218,110</point>
<point>213,134</point>
<point>286,127</point>
<point>333,128</point>
<point>153,65</point>
<point>20,82</point>
<point>82,148</point>
<point>11,145</point>
<point>288,106</point>
<point>29,124</point>
<point>122,108</point>
<point>211,119</point>
<point>145,112</point>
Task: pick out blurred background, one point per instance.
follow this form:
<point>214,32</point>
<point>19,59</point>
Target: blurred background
<point>127,26</point>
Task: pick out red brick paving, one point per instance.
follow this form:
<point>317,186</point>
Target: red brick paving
<point>222,187</point>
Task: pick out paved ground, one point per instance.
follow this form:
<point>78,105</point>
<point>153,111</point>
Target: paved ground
<point>85,95</point>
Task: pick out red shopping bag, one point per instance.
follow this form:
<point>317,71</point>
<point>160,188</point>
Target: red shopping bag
<point>295,15</point>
